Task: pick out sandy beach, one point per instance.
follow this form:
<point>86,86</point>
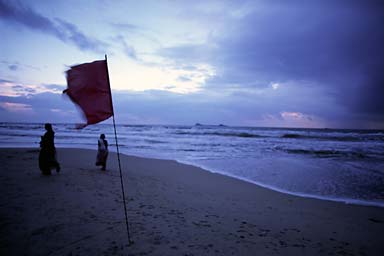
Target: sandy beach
<point>173,209</point>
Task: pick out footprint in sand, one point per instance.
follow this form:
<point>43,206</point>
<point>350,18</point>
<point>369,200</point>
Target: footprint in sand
<point>202,223</point>
<point>375,220</point>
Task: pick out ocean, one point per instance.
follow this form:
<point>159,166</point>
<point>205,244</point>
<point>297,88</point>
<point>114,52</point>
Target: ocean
<point>332,164</point>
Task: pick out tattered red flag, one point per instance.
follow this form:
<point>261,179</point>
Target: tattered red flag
<point>88,87</point>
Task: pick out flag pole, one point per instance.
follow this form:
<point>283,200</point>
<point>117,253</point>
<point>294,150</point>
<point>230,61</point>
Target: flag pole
<point>118,155</point>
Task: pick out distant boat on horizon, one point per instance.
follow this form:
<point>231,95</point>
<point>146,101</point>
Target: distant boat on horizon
<point>220,125</point>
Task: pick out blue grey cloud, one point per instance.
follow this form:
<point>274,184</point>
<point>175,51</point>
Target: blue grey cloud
<point>19,14</point>
<point>333,45</point>
<point>326,55</point>
<point>126,27</point>
<point>164,107</point>
<point>16,66</point>
<point>13,67</point>
<point>128,50</point>
<point>54,87</point>
<point>23,89</point>
<point>184,79</point>
<point>5,81</point>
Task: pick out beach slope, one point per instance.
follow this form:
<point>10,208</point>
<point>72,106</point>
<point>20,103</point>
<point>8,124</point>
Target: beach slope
<point>173,209</point>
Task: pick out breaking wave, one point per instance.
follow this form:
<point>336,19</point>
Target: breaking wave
<point>352,138</point>
<point>225,134</point>
<point>329,153</point>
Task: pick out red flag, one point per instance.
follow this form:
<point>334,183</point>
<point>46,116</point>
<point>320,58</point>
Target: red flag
<point>88,87</point>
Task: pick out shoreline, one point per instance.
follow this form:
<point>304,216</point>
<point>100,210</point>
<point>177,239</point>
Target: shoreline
<point>270,187</point>
<point>283,191</point>
<point>173,209</point>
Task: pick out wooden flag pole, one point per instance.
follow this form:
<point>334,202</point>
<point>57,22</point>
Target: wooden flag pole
<point>118,156</point>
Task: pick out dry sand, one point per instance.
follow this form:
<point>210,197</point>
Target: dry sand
<point>173,209</point>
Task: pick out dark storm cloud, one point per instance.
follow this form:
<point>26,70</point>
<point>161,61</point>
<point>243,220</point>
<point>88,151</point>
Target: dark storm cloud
<point>320,42</point>
<point>237,108</point>
<point>17,13</point>
<point>162,107</point>
<point>335,45</point>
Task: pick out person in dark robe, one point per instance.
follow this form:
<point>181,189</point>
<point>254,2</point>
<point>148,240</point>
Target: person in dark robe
<point>47,156</point>
<point>102,152</point>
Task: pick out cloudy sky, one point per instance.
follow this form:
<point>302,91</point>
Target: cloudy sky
<point>246,63</point>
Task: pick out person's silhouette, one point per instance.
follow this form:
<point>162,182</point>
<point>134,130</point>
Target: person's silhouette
<point>47,156</point>
<point>102,152</point>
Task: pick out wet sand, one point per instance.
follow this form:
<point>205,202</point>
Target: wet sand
<point>173,209</point>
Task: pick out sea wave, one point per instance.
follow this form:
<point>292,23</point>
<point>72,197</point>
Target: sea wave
<point>348,161</point>
<point>329,153</point>
<point>356,138</point>
<point>224,134</point>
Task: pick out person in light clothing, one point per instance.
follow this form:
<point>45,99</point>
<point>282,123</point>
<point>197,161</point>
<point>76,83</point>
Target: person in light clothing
<point>102,152</point>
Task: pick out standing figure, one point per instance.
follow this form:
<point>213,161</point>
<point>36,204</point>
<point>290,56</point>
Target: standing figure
<point>47,156</point>
<point>102,152</point>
